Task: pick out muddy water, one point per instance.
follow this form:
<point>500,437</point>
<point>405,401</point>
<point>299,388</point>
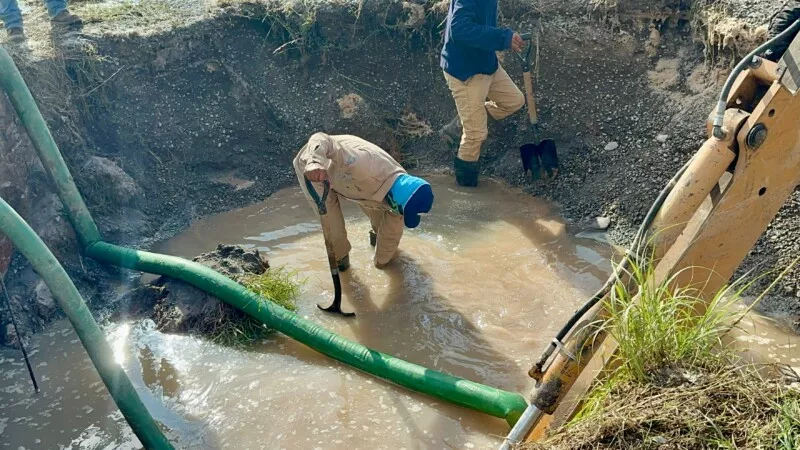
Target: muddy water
<point>477,291</point>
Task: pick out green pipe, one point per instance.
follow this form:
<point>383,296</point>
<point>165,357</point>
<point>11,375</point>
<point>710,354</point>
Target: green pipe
<point>22,100</point>
<point>472,395</point>
<point>92,338</point>
<point>478,397</point>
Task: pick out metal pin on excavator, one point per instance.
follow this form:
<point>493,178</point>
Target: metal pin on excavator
<point>701,227</point>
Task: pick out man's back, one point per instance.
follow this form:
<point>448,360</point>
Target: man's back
<point>357,169</point>
<point>472,38</point>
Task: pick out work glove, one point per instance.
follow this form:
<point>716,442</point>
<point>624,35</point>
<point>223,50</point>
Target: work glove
<point>783,20</point>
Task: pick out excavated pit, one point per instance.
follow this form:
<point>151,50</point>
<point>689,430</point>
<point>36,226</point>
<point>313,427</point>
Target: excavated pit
<point>167,115</point>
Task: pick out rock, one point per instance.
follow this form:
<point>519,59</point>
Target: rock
<point>183,308</point>
<point>601,223</point>
<point>108,184</point>
<point>10,336</point>
<point>44,301</point>
<point>662,138</point>
<point>613,145</point>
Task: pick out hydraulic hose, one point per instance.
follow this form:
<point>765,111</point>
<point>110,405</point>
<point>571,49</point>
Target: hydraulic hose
<point>618,271</point>
<point>451,389</point>
<point>478,397</point>
<point>92,338</point>
<point>722,102</point>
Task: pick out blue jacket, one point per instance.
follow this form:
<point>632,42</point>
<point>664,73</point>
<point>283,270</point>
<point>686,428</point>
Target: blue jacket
<point>472,38</point>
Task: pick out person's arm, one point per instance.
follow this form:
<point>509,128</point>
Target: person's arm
<point>465,29</point>
<point>318,148</point>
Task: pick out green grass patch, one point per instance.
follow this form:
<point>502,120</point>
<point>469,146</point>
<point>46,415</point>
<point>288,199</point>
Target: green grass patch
<point>231,327</point>
<point>676,384</point>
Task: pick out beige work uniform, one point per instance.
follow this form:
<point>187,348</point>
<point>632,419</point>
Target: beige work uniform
<point>358,171</point>
<point>504,99</point>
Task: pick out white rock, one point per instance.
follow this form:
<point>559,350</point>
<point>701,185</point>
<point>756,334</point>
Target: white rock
<point>612,146</point>
<point>662,138</point>
<point>602,223</point>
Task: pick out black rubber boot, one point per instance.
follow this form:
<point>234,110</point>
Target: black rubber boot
<point>344,264</point>
<point>467,172</point>
<point>16,35</point>
<point>67,20</point>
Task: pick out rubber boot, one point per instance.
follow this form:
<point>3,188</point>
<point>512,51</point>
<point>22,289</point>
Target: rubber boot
<point>16,35</point>
<point>466,172</point>
<point>344,263</point>
<point>67,20</point>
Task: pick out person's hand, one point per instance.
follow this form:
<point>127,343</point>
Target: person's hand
<point>517,43</point>
<point>317,175</point>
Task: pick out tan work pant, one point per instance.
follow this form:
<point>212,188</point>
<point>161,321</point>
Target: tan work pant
<point>504,99</point>
<point>385,223</point>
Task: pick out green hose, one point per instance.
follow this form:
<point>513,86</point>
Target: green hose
<point>17,91</point>
<point>455,390</point>
<point>92,338</point>
<point>465,393</point>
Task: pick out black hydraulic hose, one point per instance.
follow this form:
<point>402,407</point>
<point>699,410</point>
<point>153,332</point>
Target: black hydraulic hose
<point>637,242</point>
<point>651,214</point>
<point>722,102</point>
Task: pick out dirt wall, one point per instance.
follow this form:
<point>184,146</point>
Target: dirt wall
<point>161,126</point>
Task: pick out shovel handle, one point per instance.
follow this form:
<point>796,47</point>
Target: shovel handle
<point>326,187</point>
<point>532,115</point>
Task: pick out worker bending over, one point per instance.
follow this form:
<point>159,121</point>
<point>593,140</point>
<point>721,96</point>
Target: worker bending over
<point>474,74</point>
<point>363,173</point>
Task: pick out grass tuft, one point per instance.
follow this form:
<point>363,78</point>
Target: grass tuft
<point>674,382</point>
<point>231,327</point>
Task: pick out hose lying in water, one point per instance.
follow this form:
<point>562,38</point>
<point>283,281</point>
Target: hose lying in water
<point>92,338</point>
<point>485,399</point>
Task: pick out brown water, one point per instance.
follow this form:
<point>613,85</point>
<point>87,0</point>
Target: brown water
<point>478,290</point>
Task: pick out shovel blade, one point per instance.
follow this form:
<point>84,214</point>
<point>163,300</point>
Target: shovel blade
<point>540,159</point>
<point>549,157</point>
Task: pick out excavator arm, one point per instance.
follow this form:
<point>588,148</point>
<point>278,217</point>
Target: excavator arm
<point>702,226</point>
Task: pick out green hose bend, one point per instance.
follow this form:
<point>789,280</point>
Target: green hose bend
<point>475,396</point>
<point>92,338</point>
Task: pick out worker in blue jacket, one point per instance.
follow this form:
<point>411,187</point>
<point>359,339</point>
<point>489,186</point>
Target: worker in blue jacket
<point>473,73</point>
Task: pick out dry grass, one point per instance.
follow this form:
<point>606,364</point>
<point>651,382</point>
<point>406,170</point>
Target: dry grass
<point>724,37</point>
<point>690,409</point>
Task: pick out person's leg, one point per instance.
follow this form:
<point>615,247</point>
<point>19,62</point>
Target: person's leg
<point>54,7</point>
<point>504,96</point>
<point>389,234</point>
<point>375,218</point>
<point>334,218</point>
<point>470,99</point>
<point>11,15</point>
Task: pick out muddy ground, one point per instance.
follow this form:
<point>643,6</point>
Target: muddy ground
<point>167,111</point>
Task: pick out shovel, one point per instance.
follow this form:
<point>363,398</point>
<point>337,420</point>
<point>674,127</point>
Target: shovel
<point>538,157</point>
<point>336,307</point>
